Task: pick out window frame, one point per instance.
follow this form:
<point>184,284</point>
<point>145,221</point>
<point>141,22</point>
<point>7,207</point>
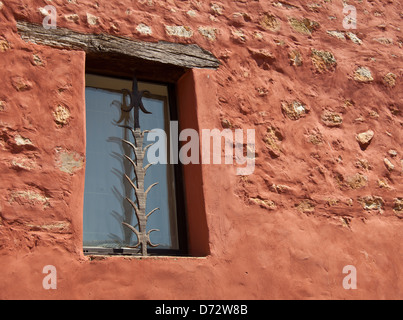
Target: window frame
<point>180,196</point>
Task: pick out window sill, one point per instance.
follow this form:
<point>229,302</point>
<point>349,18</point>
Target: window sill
<point>135,257</point>
<point>98,253</point>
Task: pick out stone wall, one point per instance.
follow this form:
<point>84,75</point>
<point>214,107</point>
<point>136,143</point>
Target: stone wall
<point>326,103</point>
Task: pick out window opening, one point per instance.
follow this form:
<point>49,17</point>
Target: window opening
<point>123,205</point>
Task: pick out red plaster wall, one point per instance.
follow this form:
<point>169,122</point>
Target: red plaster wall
<point>286,231</point>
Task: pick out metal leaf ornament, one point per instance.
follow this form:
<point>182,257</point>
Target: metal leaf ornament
<point>139,206</point>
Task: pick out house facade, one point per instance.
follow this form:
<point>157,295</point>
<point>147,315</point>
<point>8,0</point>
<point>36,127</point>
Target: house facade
<point>318,84</point>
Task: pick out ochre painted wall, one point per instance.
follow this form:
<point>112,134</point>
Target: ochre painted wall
<point>316,201</point>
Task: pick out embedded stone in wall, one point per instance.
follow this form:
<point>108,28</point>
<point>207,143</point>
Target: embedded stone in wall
<point>262,92</point>
<point>240,18</point>
<point>371,202</point>
<point>284,4</point>
<point>294,110</point>
<point>383,183</point>
<point>306,206</point>
<point>267,204</point>
<point>398,207</point>
<point>29,197</point>
<point>395,110</point>
<point>72,18</point>
<point>336,34</point>
<point>315,137</point>
<point>332,202</point>
<point>357,181</point>
<point>208,32</point>
<point>272,139</point>
<point>390,79</point>
<point>388,164</point>
<point>314,7</point>
<point>373,114</point>
<point>238,35</point>
<point>332,119</point>
<point>270,22</point>
<point>24,163</point>
<point>21,141</point>
<point>392,153</point>
<point>323,60</point>
<point>363,74</point>
<point>37,60</point>
<point>61,115</point>
<point>91,19</point>
<point>364,164</point>
<point>262,57</point>
<point>4,45</point>
<point>279,188</point>
<point>364,139</point>
<point>226,124</point>
<point>304,26</point>
<point>144,29</point>
<point>149,3</point>
<point>179,31</point>
<point>20,84</point>
<point>385,41</point>
<point>353,37</point>
<point>68,161</point>
<point>217,9</point>
<point>295,58</point>
<point>262,54</point>
<point>58,227</point>
<point>43,11</point>
<point>114,27</point>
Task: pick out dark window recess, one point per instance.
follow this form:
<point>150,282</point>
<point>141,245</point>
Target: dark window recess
<point>130,205</point>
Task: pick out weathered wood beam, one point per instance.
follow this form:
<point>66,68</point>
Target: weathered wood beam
<point>181,55</point>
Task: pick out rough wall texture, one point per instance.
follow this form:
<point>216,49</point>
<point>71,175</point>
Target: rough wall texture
<point>326,104</point>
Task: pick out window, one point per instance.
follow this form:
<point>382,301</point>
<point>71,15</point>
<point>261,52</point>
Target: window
<point>180,65</point>
<point>108,212</point>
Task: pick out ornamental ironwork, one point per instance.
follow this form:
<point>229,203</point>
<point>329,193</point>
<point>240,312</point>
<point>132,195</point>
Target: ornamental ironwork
<point>139,205</point>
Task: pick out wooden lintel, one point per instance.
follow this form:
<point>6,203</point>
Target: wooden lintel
<point>175,54</point>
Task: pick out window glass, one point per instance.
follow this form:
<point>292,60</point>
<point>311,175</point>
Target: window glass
<point>106,189</point>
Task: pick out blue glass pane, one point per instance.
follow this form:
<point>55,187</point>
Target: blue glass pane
<point>105,206</point>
